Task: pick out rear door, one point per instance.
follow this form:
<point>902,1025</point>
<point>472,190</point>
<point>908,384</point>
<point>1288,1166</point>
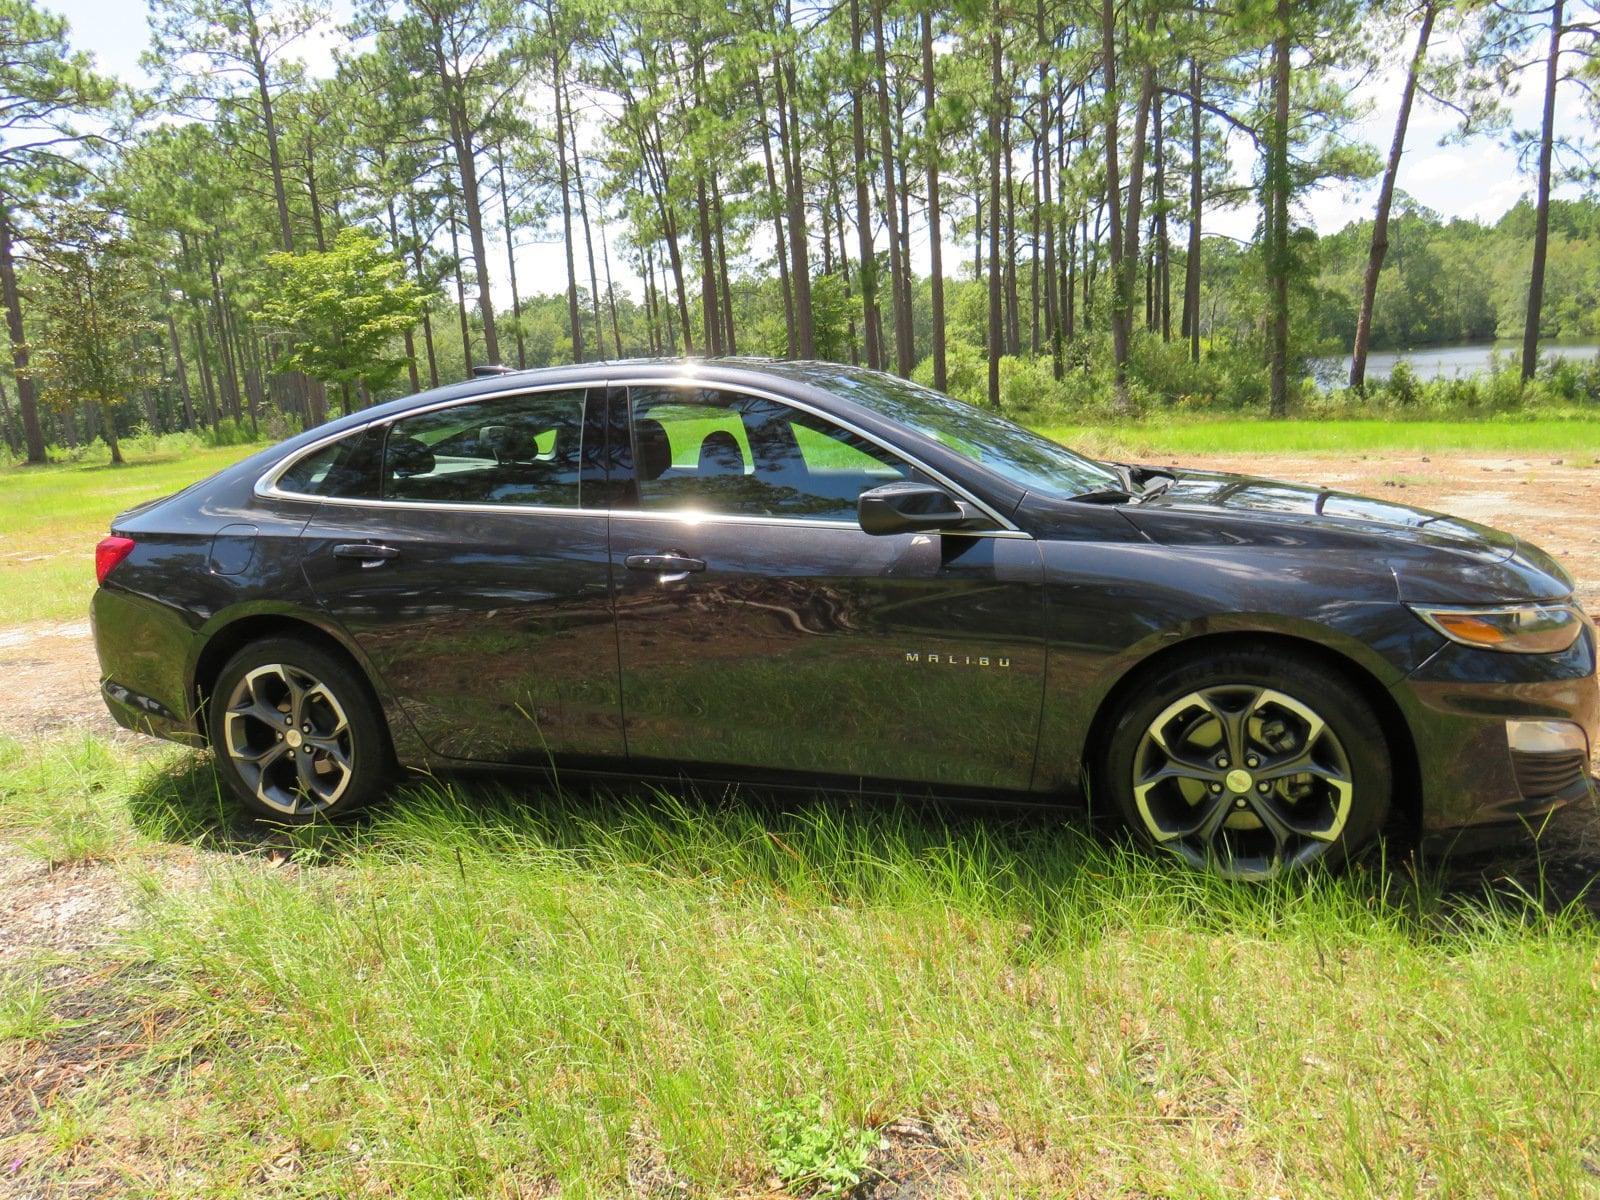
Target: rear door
<point>759,629</point>
<point>472,569</point>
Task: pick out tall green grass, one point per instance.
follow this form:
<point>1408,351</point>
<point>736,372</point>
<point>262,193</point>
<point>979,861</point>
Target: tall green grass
<point>503,990</point>
<point>52,516</point>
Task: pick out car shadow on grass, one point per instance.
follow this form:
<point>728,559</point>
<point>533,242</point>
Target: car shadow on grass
<point>1021,863</point>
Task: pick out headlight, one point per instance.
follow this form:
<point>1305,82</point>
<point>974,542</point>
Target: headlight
<point>1516,629</point>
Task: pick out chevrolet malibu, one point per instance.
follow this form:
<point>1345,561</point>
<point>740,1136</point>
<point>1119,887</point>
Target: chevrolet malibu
<point>809,574</point>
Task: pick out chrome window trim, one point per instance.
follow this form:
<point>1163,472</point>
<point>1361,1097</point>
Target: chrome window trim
<point>943,480</point>
<point>266,486</point>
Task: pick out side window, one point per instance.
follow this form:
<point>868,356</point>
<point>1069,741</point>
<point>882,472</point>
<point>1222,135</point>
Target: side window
<point>346,469</point>
<point>739,455</point>
<point>508,450</point>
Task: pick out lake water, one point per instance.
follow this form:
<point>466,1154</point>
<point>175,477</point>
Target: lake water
<point>1443,362</point>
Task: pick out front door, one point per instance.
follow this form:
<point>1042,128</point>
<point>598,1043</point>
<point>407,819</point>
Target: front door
<point>759,629</point>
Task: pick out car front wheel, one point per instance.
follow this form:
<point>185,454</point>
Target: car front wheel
<point>1249,765</point>
<point>296,733</point>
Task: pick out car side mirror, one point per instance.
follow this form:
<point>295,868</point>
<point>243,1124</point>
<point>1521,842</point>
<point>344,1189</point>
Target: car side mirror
<point>907,507</point>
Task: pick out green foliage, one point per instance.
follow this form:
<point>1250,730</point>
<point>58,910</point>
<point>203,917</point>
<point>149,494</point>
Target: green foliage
<point>93,339</point>
<point>342,311</point>
<point>1460,280</point>
<point>812,1149</point>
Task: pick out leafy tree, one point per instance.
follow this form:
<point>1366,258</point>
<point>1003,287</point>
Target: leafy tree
<point>44,86</point>
<point>94,341</point>
<point>342,311</point>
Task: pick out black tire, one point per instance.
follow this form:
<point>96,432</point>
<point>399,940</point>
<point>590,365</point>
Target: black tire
<point>1313,787</point>
<point>296,733</point>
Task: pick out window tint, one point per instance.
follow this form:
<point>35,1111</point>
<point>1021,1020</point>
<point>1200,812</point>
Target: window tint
<point>509,450</point>
<point>346,469</point>
<point>729,453</point>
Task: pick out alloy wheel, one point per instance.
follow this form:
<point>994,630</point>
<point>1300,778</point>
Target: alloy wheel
<point>1242,780</point>
<point>287,735</point>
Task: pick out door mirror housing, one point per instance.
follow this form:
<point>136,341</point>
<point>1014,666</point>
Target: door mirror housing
<point>908,507</point>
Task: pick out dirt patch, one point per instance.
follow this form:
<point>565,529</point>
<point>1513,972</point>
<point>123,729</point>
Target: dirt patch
<point>50,682</point>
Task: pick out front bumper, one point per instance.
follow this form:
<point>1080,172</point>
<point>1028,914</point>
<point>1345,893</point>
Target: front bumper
<point>1459,705</point>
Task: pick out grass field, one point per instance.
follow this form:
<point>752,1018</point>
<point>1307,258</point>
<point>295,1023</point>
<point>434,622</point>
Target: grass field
<point>52,516</point>
<point>504,990</point>
<point>498,991</point>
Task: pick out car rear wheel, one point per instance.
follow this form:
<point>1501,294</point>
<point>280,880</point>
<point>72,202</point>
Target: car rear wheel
<point>1249,765</point>
<point>296,733</point>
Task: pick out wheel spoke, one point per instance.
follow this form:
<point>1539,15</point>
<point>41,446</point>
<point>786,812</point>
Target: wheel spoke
<point>310,782</point>
<point>1235,723</point>
<point>260,759</point>
<point>1208,818</point>
<point>257,710</point>
<point>1178,769</point>
<point>1267,813</point>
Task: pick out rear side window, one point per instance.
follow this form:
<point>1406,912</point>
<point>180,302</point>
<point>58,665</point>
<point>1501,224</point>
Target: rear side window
<point>345,469</point>
<point>522,450</point>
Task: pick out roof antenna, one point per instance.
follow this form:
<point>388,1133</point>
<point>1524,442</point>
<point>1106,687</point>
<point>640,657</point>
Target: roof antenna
<point>488,370</point>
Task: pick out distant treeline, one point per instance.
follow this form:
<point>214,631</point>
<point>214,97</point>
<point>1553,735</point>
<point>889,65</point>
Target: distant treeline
<point>1462,281</point>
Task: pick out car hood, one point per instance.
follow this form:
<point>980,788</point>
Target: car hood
<point>1435,557</point>
<point>1291,505</point>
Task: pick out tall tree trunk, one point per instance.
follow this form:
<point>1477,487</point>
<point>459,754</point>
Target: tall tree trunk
<point>1191,268</point>
<point>208,386</point>
<point>461,296</point>
<point>779,238</point>
<point>935,234</point>
<point>805,329</point>
<point>411,340</point>
<point>1161,306</point>
<point>574,317</point>
<point>710,309</point>
<point>427,319</point>
<point>1541,217</point>
<point>1013,316</point>
<point>1123,283</point>
<point>1380,220</point>
<point>583,218</point>
<point>611,291</point>
<point>1278,220</point>
<point>868,275</point>
<point>472,210</point>
<point>269,126</point>
<point>27,403</point>
<point>652,302</point>
<point>1112,100</point>
<point>904,348</point>
<point>13,435</point>
<point>311,197</point>
<point>730,340</point>
<point>511,266</point>
<point>996,323</point>
<point>183,372</point>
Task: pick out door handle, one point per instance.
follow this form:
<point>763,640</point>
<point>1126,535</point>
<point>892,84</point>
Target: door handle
<point>664,564</point>
<point>371,555</point>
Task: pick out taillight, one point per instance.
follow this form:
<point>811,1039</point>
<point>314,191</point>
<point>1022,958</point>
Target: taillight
<point>110,552</point>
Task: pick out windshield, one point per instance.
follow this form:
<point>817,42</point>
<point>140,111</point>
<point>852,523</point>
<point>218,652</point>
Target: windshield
<point>1020,455</point>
